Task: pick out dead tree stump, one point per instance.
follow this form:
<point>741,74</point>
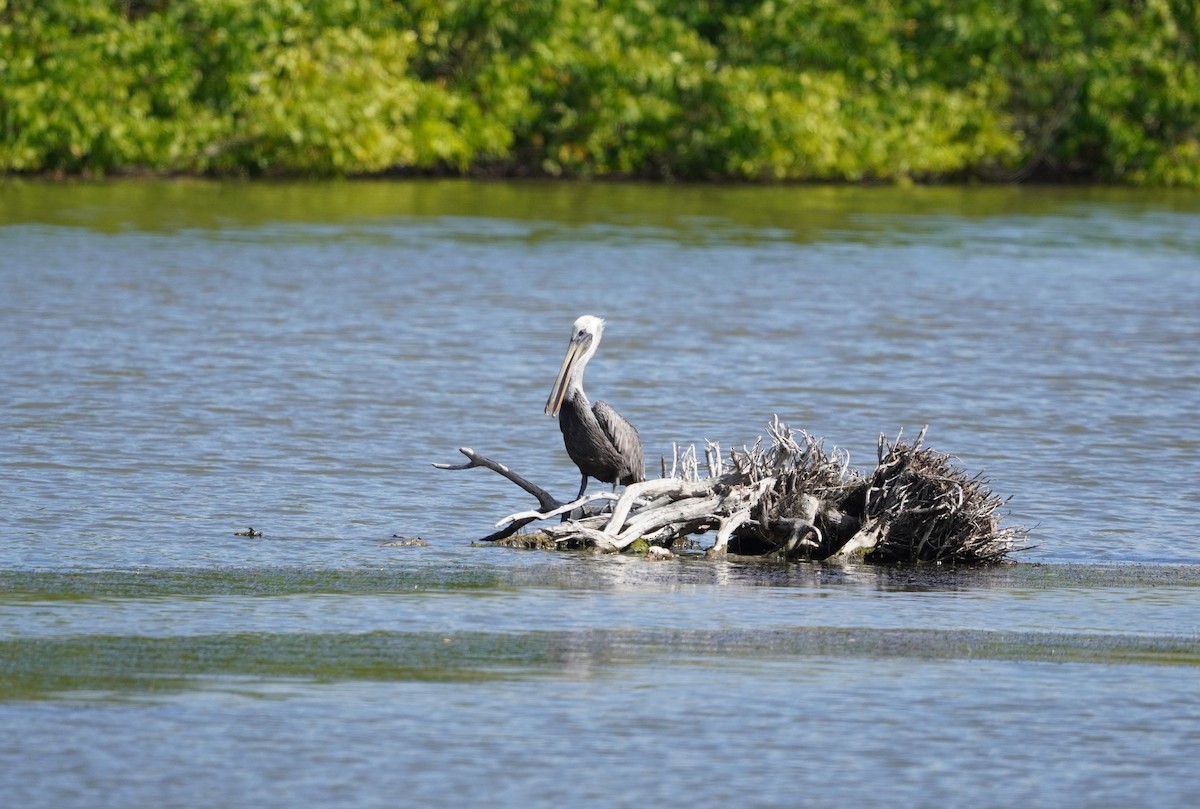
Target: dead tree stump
<point>789,499</point>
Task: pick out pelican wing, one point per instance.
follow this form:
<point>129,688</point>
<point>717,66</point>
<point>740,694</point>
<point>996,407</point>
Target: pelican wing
<point>625,440</point>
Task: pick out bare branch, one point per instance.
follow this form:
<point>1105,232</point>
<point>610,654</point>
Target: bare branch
<point>544,498</point>
<point>566,508</point>
<point>648,488</point>
<point>728,526</point>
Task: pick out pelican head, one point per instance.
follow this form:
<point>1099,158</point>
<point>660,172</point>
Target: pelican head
<point>585,337</point>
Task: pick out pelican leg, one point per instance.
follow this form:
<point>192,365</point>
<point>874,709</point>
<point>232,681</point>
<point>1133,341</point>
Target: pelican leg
<point>582,488</point>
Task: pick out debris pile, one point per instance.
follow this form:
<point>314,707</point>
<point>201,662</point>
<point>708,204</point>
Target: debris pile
<point>788,499</point>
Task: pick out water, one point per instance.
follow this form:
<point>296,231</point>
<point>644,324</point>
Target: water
<point>183,360</point>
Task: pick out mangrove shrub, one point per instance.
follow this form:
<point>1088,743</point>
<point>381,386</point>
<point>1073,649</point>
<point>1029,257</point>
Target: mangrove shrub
<point>690,89</point>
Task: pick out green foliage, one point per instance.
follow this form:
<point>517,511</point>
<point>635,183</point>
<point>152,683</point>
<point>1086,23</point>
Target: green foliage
<point>81,89</point>
<point>691,89</point>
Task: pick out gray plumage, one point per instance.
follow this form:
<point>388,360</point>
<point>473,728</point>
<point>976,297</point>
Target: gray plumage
<point>598,439</point>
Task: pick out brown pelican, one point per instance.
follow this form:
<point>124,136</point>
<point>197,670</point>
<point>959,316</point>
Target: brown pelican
<point>599,440</point>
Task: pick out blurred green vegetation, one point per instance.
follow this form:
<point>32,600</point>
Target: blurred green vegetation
<point>842,90</point>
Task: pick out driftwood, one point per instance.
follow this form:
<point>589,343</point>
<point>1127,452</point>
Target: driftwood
<point>789,500</point>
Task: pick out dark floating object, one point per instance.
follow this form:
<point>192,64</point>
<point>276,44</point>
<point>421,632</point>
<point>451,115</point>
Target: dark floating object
<point>406,542</point>
<point>790,500</point>
<point>249,532</point>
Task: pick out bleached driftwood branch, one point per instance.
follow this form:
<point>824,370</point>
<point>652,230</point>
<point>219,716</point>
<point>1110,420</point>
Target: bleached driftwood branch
<point>788,500</point>
<point>564,509</point>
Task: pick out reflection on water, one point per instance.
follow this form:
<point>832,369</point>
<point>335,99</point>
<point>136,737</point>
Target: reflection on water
<point>597,595</point>
<point>184,360</point>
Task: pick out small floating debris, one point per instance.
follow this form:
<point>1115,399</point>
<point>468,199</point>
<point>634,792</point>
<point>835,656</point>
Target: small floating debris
<point>406,542</point>
<point>249,532</point>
